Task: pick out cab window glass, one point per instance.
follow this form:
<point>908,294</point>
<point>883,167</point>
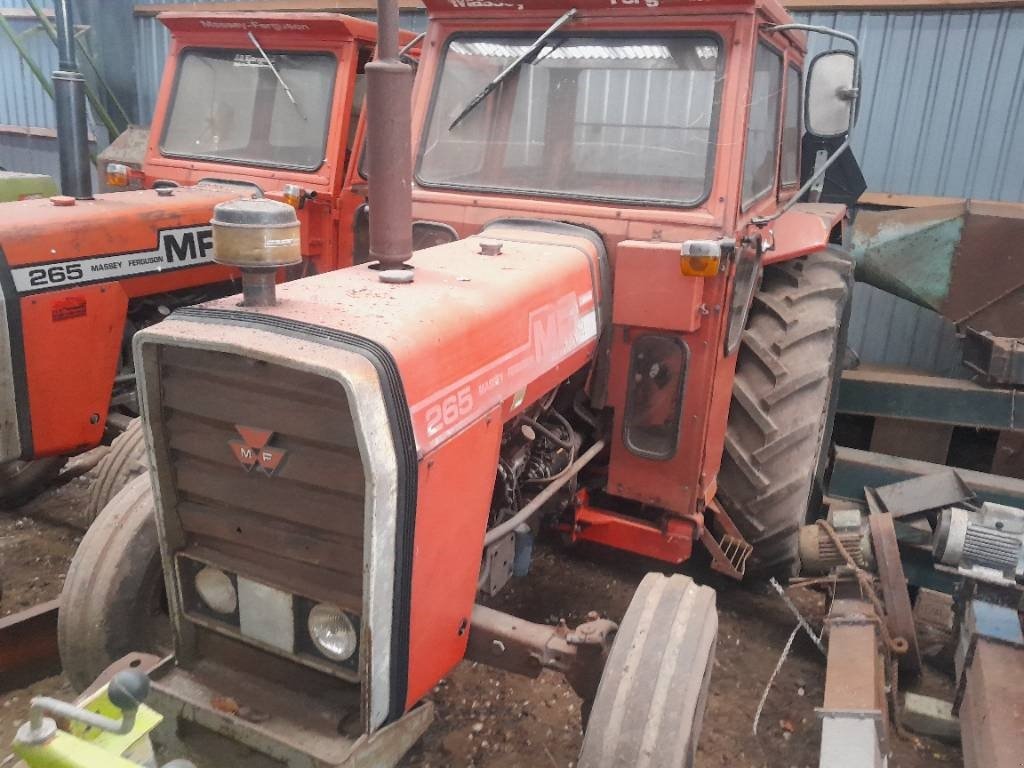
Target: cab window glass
<point>789,172</point>
<point>763,126</point>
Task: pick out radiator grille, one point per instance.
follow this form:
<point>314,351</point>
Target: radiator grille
<point>301,528</point>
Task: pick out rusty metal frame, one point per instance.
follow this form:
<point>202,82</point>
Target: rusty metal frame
<point>899,614</point>
<point>28,646</point>
<point>854,714</point>
<point>515,645</point>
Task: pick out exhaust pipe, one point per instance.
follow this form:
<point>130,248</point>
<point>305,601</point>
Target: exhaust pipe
<point>389,145</point>
<point>69,98</point>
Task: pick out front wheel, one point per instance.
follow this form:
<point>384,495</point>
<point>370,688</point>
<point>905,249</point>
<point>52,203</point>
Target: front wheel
<point>654,688</point>
<point>783,404</point>
<point>113,600</point>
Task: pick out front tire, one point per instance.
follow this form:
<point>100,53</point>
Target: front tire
<point>113,600</point>
<point>783,404</point>
<point>654,688</point>
<point>125,460</point>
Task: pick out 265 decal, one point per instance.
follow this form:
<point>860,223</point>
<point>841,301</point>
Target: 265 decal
<point>177,248</point>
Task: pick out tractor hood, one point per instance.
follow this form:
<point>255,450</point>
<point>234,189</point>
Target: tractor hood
<point>471,328</point>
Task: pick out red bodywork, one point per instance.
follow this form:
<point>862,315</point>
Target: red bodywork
<point>477,340</point>
<point>643,244</point>
<point>66,343</point>
<point>70,339</point>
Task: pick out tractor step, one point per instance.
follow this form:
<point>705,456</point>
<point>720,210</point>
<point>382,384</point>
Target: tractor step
<point>729,550</point>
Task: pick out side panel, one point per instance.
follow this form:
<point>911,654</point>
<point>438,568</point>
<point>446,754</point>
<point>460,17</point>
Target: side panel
<point>455,485</point>
<point>72,344</point>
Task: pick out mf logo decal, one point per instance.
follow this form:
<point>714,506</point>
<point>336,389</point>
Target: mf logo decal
<point>176,248</point>
<point>252,450</point>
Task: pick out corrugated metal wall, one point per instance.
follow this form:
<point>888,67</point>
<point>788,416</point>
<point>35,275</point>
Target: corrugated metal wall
<point>942,114</point>
<point>943,100</point>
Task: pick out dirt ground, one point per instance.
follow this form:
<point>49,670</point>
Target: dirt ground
<point>489,719</point>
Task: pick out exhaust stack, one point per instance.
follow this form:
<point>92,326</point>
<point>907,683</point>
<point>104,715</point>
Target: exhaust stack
<point>389,145</point>
<point>69,98</point>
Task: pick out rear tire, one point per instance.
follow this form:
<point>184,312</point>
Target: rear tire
<point>22,481</point>
<point>783,404</point>
<point>653,692</point>
<point>125,460</point>
<point>113,600</point>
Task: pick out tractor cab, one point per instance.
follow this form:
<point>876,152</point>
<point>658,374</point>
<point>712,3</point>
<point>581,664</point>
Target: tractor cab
<point>667,118</point>
<point>269,102</point>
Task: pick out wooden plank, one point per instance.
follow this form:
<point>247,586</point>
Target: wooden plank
<point>28,646</point>
<point>890,199</point>
<point>911,439</point>
<point>17,14</point>
<point>882,5</point>
<point>347,6</point>
<point>33,131</point>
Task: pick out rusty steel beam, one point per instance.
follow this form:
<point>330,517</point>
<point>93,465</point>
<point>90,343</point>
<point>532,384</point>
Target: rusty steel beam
<point>515,645</point>
<point>28,646</point>
<point>854,715</point>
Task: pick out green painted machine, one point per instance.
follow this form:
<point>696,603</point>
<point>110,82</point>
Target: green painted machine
<point>24,186</point>
<point>962,259</point>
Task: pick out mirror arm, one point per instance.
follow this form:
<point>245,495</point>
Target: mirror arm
<point>852,94</point>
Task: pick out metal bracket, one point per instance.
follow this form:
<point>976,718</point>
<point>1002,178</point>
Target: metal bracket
<point>730,552</point>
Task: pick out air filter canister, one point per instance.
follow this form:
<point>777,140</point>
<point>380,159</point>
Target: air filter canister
<point>257,233</point>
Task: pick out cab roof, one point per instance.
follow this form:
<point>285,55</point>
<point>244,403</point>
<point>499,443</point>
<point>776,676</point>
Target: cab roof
<point>626,9</point>
<point>274,27</point>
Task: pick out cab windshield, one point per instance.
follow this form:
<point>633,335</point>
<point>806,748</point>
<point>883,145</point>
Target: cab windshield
<point>231,106</point>
<point>594,117</point>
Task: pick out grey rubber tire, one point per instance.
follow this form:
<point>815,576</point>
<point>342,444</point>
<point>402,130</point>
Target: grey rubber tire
<point>653,692</point>
<point>22,481</point>
<point>113,598</point>
<point>783,404</point>
<point>125,459</point>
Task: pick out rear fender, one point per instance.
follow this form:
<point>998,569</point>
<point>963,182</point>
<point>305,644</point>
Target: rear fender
<point>72,344</point>
<point>803,229</point>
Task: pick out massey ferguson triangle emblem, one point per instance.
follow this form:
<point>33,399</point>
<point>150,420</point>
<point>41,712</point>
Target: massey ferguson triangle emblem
<point>252,450</point>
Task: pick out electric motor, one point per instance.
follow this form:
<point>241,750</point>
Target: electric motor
<point>987,544</point>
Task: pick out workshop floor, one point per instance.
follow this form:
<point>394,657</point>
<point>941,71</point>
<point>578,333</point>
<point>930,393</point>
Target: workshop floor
<point>489,719</point>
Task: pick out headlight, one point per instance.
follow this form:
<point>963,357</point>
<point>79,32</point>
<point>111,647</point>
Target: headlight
<point>216,590</point>
<point>332,632</point>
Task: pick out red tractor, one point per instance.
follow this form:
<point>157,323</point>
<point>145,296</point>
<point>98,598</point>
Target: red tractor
<point>632,337</point>
<point>251,105</point>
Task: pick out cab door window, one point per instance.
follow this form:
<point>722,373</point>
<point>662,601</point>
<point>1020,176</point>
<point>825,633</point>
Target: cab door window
<point>761,159</point>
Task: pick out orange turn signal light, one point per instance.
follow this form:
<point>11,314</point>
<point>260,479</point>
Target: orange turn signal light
<point>294,195</point>
<point>117,175</point>
<point>700,258</point>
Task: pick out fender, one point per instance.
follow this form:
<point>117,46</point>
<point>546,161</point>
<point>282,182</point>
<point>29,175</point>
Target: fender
<point>805,228</point>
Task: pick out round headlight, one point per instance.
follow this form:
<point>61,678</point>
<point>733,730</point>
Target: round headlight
<point>332,632</point>
<point>216,590</point>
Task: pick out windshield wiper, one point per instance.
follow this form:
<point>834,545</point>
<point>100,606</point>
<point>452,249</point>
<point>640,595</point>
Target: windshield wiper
<point>526,57</point>
<point>284,85</point>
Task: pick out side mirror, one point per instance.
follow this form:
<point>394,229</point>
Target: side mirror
<point>831,94</point>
